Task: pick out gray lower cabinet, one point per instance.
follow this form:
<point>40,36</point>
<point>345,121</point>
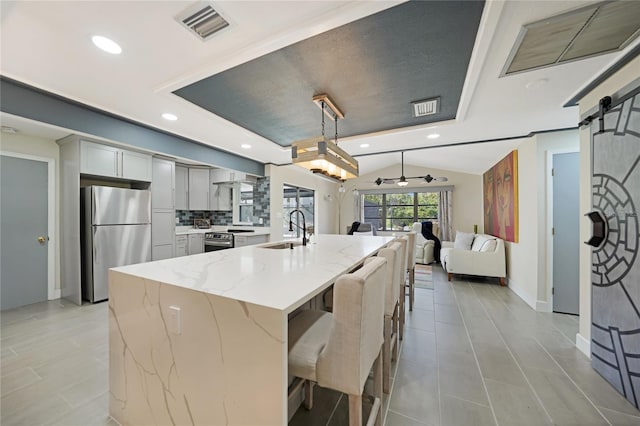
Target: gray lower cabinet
<point>182,245</point>
<point>196,243</point>
<point>249,240</point>
<point>162,234</point>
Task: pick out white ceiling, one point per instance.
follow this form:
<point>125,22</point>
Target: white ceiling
<point>47,44</point>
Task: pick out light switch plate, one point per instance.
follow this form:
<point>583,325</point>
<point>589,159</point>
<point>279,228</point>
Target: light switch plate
<point>174,320</point>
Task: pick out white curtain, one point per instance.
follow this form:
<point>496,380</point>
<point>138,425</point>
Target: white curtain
<point>445,215</point>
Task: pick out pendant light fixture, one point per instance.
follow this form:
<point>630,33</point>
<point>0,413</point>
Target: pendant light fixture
<point>404,181</point>
<point>321,155</point>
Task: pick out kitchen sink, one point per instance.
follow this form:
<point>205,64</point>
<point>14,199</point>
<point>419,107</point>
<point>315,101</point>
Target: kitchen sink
<point>281,245</point>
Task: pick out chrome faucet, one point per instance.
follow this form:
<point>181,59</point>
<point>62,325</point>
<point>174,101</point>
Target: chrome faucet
<point>304,226</point>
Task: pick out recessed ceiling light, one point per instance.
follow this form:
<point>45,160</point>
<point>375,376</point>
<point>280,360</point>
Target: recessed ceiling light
<point>245,146</point>
<point>169,116</point>
<point>106,44</point>
<point>433,136</point>
<point>364,145</point>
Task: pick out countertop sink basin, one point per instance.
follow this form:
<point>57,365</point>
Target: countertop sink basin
<point>282,245</point>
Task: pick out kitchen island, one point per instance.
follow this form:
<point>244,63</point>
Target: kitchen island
<point>203,339</point>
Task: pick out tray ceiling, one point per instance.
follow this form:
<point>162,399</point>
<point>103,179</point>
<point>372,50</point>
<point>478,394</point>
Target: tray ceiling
<point>372,68</point>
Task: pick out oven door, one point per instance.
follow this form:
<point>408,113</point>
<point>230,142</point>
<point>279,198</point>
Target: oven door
<point>215,246</point>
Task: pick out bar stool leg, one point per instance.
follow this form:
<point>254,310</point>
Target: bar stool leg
<point>377,387</point>
<point>355,410</point>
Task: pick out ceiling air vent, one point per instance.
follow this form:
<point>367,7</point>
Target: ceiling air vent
<point>426,107</point>
<point>202,20</point>
<point>589,31</point>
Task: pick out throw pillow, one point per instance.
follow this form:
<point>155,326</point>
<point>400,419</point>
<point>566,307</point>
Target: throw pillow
<point>489,245</point>
<point>478,241</point>
<point>463,240</point>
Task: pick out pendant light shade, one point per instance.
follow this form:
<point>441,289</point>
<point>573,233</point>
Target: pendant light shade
<point>321,155</point>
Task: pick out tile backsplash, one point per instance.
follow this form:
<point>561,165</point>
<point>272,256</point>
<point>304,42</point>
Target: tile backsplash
<point>186,217</point>
<point>261,199</point>
<point>261,209</point>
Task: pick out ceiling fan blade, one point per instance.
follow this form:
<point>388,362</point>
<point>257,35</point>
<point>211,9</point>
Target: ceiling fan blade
<point>441,179</point>
<point>388,180</point>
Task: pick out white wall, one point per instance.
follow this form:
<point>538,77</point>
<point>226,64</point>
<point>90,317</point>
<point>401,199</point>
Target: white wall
<point>527,263</point>
<point>325,198</point>
<point>467,194</point>
<point>623,77</point>
<point>48,148</point>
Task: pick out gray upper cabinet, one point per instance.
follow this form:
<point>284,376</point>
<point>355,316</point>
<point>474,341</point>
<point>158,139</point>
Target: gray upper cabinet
<point>198,189</point>
<point>182,188</point>
<point>108,161</point>
<point>135,166</point>
<point>225,175</point>
<point>163,184</point>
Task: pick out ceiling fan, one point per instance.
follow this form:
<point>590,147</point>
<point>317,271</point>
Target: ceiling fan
<point>404,180</point>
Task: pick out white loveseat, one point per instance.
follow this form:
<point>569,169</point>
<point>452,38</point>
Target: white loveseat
<point>485,257</point>
<point>424,247</point>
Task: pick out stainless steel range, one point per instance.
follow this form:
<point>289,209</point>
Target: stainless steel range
<point>214,241</point>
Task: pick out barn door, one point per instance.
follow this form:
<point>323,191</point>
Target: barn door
<point>615,290</point>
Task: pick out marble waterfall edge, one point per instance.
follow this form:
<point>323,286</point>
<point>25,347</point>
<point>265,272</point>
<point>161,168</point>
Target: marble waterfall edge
<point>222,356</point>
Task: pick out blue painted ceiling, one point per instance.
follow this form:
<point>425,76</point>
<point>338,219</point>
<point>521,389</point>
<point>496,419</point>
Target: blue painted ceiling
<point>372,68</point>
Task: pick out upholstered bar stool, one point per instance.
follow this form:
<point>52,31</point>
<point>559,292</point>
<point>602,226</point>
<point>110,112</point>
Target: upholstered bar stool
<point>411,266</point>
<point>338,350</point>
<point>391,309</point>
<point>401,280</point>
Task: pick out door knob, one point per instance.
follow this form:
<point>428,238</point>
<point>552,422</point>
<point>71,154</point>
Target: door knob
<point>42,240</point>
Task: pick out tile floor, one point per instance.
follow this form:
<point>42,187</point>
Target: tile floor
<point>474,353</point>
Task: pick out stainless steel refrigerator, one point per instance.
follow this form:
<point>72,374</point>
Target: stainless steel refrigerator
<point>116,232</point>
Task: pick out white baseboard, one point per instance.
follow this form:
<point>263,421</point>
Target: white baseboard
<point>542,306</point>
<point>583,344</point>
<point>517,290</point>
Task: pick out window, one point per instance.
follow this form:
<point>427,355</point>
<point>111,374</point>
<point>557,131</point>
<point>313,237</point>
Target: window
<point>297,198</point>
<point>243,203</point>
<point>398,211</point>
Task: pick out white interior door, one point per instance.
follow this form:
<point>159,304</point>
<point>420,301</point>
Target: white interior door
<point>24,276</point>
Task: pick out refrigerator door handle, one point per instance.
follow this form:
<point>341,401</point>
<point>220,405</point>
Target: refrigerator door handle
<point>95,246</point>
<point>94,206</point>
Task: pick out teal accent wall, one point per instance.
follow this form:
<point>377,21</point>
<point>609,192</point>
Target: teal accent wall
<point>35,104</point>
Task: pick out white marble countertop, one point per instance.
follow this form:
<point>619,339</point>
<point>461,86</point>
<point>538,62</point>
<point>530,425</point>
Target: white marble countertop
<point>186,230</point>
<point>281,279</point>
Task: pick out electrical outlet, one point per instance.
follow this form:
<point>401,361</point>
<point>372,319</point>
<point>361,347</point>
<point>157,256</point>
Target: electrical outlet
<point>174,320</point>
